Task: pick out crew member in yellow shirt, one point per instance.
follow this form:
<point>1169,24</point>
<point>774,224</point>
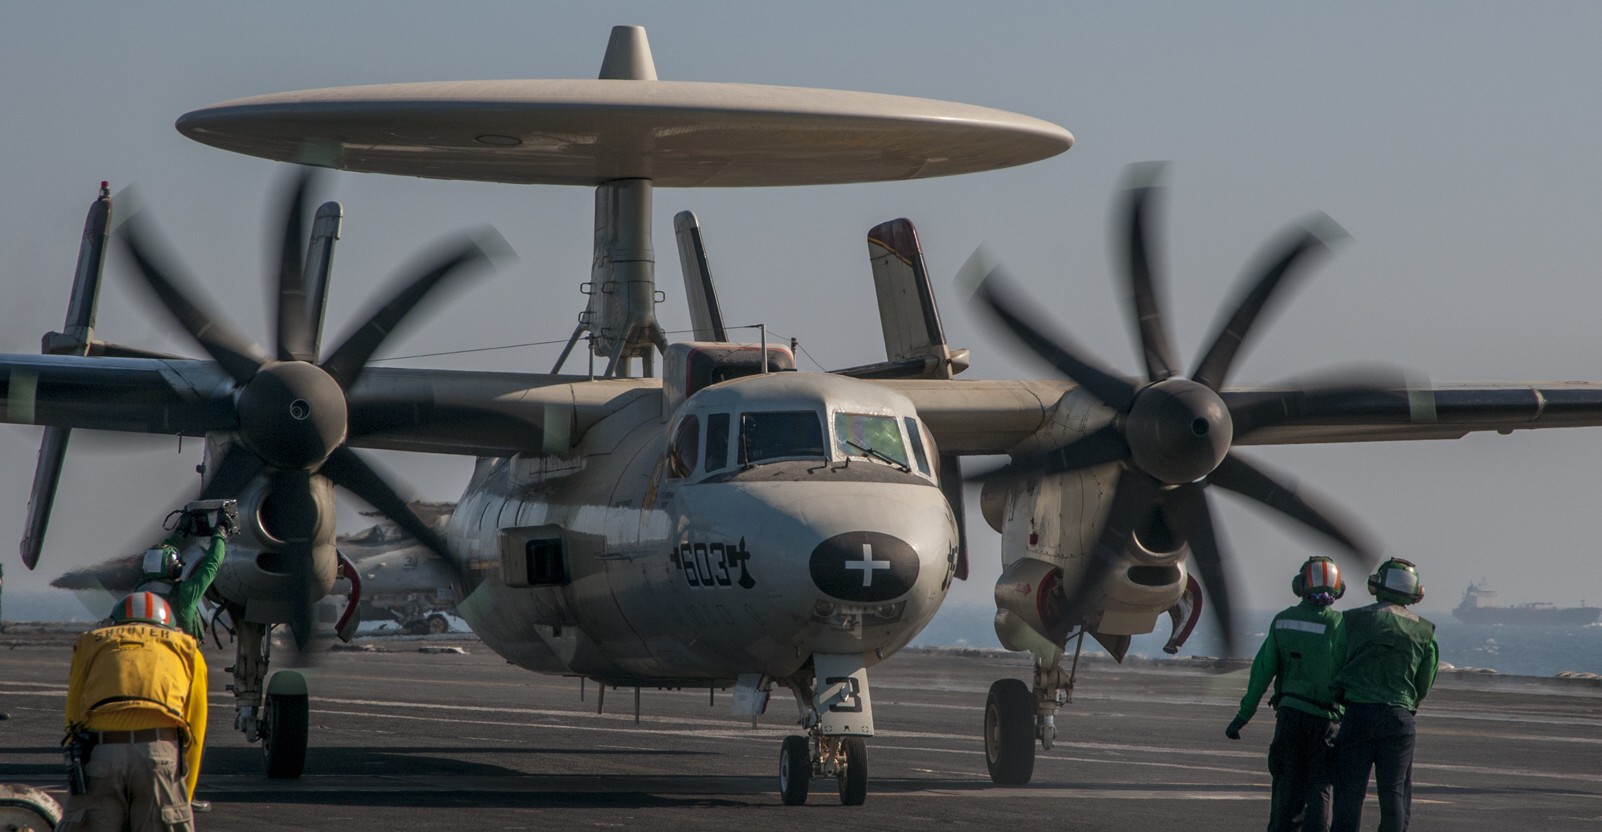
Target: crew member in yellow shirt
<point>136,706</point>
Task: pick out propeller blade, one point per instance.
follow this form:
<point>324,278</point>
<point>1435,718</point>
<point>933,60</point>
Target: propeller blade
<point>1187,506</point>
<point>1097,448</point>
<point>237,356</point>
<point>1293,252</point>
<point>449,424</point>
<point>999,297</point>
<point>301,626</point>
<point>46,476</point>
<point>348,360</point>
<point>1132,504</point>
<point>1364,395</point>
<point>1250,480</point>
<point>232,473</point>
<point>296,339</point>
<point>348,470</point>
<point>1156,348</point>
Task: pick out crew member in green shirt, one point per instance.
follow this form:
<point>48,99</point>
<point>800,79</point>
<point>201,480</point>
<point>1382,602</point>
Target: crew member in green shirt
<point>1391,657</point>
<point>164,572</point>
<point>1304,648</point>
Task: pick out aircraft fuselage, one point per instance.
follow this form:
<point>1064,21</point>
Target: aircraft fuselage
<point>748,531</point>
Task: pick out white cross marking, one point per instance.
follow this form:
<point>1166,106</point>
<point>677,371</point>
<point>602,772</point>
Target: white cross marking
<point>867,566</point>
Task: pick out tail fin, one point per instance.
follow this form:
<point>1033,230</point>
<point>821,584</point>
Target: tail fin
<point>706,318</point>
<point>914,341</point>
<point>74,339</point>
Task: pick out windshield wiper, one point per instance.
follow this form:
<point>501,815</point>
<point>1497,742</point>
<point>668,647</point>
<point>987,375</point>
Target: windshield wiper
<point>881,456</point>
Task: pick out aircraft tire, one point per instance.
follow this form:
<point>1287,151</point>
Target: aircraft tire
<point>854,781</point>
<point>286,721</point>
<point>438,624</point>
<point>795,770</point>
<point>1010,733</point>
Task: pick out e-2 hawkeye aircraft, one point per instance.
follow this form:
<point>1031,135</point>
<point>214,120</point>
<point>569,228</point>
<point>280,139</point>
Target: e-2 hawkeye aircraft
<point>733,522</point>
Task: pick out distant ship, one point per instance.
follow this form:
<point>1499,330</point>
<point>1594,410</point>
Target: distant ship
<point>1479,607</point>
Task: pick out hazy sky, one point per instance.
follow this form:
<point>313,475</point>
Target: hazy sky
<point>1456,142</point>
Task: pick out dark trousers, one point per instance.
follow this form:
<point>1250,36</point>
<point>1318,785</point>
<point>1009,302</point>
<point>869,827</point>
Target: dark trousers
<point>1299,758</point>
<point>1378,738</point>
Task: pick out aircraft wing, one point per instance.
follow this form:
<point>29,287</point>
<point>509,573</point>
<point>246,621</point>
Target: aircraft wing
<point>433,411</point>
<point>995,416</point>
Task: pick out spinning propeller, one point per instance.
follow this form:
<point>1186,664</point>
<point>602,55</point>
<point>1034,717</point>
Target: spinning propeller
<point>290,412</point>
<point>1172,434</point>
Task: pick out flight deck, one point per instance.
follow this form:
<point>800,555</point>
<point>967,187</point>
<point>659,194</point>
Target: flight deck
<point>439,733</point>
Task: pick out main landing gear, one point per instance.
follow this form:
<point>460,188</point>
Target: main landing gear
<point>1018,714</point>
<point>838,718</point>
<point>279,716</point>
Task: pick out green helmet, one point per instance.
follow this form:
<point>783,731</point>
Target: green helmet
<point>161,563</point>
<point>1396,580</point>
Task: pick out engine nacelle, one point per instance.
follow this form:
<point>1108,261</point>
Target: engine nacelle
<point>1055,521</point>
<point>258,573</point>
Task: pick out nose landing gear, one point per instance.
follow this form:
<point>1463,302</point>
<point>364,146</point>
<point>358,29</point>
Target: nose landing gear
<point>817,755</point>
<point>838,718</point>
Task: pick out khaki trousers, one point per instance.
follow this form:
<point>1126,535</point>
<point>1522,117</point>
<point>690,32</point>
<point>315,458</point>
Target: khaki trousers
<point>132,786</point>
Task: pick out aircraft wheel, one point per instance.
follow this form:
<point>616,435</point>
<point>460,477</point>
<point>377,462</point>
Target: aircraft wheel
<point>795,770</point>
<point>285,722</point>
<point>854,780</point>
<point>438,624</point>
<point>1010,733</point>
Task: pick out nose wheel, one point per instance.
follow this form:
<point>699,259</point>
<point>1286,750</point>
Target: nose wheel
<point>795,770</point>
<point>843,758</point>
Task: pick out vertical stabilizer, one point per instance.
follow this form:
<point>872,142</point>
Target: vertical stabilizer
<point>914,340</point>
<point>319,267</point>
<point>706,317</point>
<point>74,339</point>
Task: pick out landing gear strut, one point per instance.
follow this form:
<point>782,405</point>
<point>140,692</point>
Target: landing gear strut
<point>1018,714</point>
<point>276,712</point>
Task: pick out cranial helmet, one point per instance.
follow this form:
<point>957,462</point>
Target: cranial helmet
<point>146,607</point>
<point>1396,580</point>
<point>161,564</point>
<point>1318,575</point>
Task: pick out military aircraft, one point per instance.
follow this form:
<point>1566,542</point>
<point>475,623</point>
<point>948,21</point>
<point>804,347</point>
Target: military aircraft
<point>397,580</point>
<point>732,522</point>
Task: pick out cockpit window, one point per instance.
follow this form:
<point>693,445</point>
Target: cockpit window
<point>686,446</point>
<point>860,434</point>
<point>717,441</point>
<point>918,453</point>
<point>779,435</point>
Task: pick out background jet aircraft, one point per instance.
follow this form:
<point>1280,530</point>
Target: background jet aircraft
<point>402,583</point>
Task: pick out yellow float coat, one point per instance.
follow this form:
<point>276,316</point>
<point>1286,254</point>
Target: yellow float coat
<point>130,677</point>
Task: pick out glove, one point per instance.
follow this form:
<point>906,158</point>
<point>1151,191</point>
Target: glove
<point>227,525</point>
<point>1233,731</point>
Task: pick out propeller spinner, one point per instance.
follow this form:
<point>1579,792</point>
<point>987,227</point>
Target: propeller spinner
<point>1173,435</point>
